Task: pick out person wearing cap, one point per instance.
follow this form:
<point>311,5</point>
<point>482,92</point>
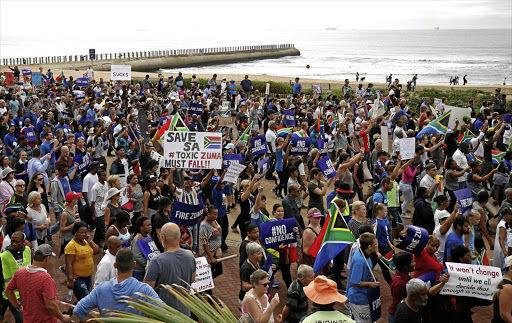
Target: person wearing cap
<point>309,235</point>
<point>36,287</point>
<point>324,295</point>
<point>7,185</point>
<point>502,303</point>
<point>68,218</point>
<point>15,256</point>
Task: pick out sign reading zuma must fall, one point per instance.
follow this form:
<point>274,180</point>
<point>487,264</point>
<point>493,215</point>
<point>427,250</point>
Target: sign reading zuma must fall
<point>199,150</point>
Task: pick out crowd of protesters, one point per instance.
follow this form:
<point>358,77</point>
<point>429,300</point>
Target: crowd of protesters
<point>44,189</point>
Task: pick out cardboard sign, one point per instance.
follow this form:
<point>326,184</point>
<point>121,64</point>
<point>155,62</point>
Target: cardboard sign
<point>457,114</point>
<point>199,150</point>
<point>83,161</point>
<point>186,214</point>
<point>472,280</point>
<point>465,199</point>
<point>121,72</point>
<point>275,233</point>
<point>226,105</point>
<point>267,89</point>
<point>384,132</point>
<point>233,172</point>
<point>325,165</point>
<point>204,278</point>
<point>148,248</point>
<point>407,146</point>
<point>258,145</point>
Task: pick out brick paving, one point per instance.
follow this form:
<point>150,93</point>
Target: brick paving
<point>228,284</point>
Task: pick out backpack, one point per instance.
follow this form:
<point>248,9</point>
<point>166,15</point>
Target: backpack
<point>369,205</point>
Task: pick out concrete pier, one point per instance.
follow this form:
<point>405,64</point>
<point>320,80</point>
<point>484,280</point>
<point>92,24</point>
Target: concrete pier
<point>148,61</point>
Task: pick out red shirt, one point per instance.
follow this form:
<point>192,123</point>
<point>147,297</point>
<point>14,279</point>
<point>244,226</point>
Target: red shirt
<point>35,287</point>
<point>426,263</point>
<point>398,290</point>
<point>363,135</point>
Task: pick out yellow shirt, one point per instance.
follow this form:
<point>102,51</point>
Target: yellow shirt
<point>83,266</point>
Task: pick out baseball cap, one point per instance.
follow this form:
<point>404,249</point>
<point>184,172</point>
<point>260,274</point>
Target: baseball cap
<point>72,195</point>
<point>229,146</point>
<point>508,262</point>
<point>45,250</point>
<point>315,214</point>
<point>95,164</point>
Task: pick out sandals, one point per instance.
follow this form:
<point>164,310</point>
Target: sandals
<point>235,230</point>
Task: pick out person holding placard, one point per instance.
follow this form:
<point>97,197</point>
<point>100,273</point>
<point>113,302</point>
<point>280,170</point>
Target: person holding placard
<point>210,241</point>
<point>142,230</point>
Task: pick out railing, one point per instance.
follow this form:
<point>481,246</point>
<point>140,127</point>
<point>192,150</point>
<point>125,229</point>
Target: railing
<point>135,55</point>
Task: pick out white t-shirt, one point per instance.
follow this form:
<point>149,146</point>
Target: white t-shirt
<point>442,239</point>
<point>438,215</point>
<point>98,193</point>
<point>462,162</point>
<point>480,150</point>
<point>271,137</point>
<point>90,73</point>
<point>89,181</point>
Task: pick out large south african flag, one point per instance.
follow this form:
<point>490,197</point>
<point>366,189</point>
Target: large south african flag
<point>212,142</point>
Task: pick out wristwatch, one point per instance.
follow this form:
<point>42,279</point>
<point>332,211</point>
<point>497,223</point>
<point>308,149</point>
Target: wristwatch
<point>18,308</point>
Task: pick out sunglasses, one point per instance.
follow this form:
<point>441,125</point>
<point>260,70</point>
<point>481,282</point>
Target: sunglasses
<point>265,285</point>
<point>20,185</point>
<point>40,179</point>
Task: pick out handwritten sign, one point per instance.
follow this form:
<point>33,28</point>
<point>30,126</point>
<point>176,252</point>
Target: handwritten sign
<point>120,72</point>
<point>325,165</point>
<point>472,280</point>
<point>204,278</point>
<point>199,150</point>
<point>258,145</point>
<point>407,146</point>
<point>233,172</point>
<point>275,233</point>
<point>186,214</point>
<point>148,248</point>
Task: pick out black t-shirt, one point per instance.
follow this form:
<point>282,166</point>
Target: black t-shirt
<point>404,314</point>
<point>245,276</point>
<point>158,222</point>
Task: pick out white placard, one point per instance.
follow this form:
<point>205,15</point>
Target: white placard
<point>385,138</point>
<point>407,147</point>
<point>457,114</point>
<point>226,105</point>
<point>204,280</point>
<point>159,158</point>
<point>199,150</point>
<point>120,72</point>
<point>124,196</point>
<point>233,172</point>
<point>267,89</point>
<point>107,120</point>
<point>472,280</point>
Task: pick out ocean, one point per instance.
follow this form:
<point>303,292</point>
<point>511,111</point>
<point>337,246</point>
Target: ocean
<point>485,56</point>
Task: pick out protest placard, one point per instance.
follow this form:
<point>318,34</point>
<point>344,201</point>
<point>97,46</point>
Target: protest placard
<point>124,196</point>
<point>226,105</point>
<point>79,95</point>
<point>317,89</point>
<point>9,77</point>
<point>457,114</point>
<point>83,161</point>
<point>407,146</point>
<point>322,146</point>
<point>120,72</point>
<point>36,78</point>
<point>258,145</point>
<point>384,132</point>
<point>225,121</point>
<point>196,108</point>
<point>415,240</point>
<point>506,118</point>
<point>325,165</point>
<point>204,278</point>
<point>300,145</point>
<point>148,248</point>
<point>156,156</point>
<point>472,280</point>
<point>267,89</point>
<point>233,173</point>
<point>186,214</point>
<point>31,134</point>
<point>263,166</point>
<point>199,150</point>
<point>375,303</point>
<point>275,233</point>
<point>289,117</point>
<point>232,159</point>
<point>82,82</point>
<point>465,199</point>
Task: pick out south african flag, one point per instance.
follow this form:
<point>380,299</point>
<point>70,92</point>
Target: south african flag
<point>283,132</point>
<point>466,136</point>
<point>497,156</point>
<point>212,142</point>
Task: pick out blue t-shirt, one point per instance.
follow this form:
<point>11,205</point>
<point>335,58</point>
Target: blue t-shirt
<point>76,182</point>
<point>381,232</point>
<point>218,201</point>
<point>381,197</point>
<point>330,197</point>
<point>46,148</point>
<point>279,160</point>
<point>297,87</point>
<point>10,140</point>
<point>359,272</point>
<point>478,124</point>
<point>65,128</point>
<point>452,240</point>
<point>65,184</point>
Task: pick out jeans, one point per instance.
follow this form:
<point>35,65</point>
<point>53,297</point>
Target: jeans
<point>194,232</point>
<point>82,287</point>
<point>395,213</point>
<point>406,189</point>
<point>139,275</point>
<point>463,184</point>
<point>391,318</point>
<point>99,233</point>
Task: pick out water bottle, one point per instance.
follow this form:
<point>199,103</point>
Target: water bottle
<point>69,297</point>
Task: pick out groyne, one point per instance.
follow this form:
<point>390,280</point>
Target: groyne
<point>147,61</point>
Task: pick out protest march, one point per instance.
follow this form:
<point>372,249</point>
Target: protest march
<point>304,207</point>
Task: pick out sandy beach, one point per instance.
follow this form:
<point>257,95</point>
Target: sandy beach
<point>306,82</point>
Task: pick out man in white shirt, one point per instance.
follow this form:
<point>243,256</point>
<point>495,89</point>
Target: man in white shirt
<point>396,143</point>
<point>89,180</point>
<point>428,181</point>
<point>97,196</point>
<point>90,73</point>
<point>477,145</point>
<point>271,137</point>
<point>460,158</point>
<point>106,270</point>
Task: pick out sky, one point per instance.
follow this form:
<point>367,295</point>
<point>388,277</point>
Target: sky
<point>28,23</point>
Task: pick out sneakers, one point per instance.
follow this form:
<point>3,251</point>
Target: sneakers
<point>276,284</point>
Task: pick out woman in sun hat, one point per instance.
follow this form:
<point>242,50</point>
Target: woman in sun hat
<point>323,292</point>
<point>112,205</point>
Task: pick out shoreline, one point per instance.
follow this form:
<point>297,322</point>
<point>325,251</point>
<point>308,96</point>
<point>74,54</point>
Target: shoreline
<point>306,82</point>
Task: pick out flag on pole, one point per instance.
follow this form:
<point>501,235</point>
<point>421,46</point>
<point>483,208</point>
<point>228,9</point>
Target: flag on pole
<point>60,77</point>
<point>283,132</point>
<point>497,156</point>
<point>472,156</point>
<point>388,260</point>
<point>333,238</point>
<point>168,126</point>
<point>466,136</point>
<point>438,126</point>
<point>245,134</point>
<point>482,259</point>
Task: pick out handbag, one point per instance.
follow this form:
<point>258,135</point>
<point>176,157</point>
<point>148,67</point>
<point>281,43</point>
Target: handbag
<point>128,206</point>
